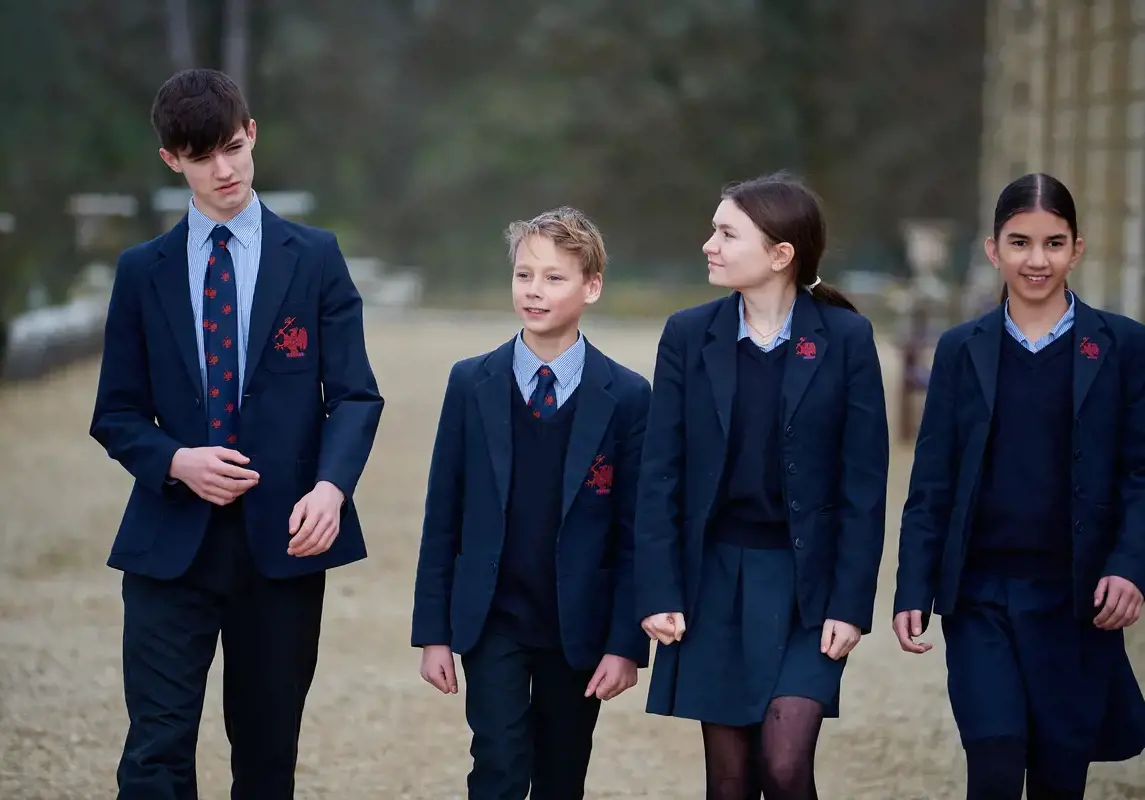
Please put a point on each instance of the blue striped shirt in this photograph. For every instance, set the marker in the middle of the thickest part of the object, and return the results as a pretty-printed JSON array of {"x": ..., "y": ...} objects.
[
  {"x": 567, "y": 368},
  {"x": 245, "y": 248},
  {"x": 784, "y": 334},
  {"x": 1056, "y": 332}
]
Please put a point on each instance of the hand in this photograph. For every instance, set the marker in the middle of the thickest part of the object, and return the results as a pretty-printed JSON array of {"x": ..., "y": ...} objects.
[
  {"x": 839, "y": 639},
  {"x": 212, "y": 474},
  {"x": 316, "y": 520},
  {"x": 1122, "y": 603},
  {"x": 907, "y": 626},
  {"x": 613, "y": 676},
  {"x": 437, "y": 668},
  {"x": 664, "y": 628}
]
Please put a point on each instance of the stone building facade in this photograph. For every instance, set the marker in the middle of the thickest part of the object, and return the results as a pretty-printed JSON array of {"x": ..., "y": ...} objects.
[{"x": 1065, "y": 94}]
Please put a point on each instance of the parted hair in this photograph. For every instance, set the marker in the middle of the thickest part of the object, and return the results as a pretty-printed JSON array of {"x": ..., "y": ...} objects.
[{"x": 570, "y": 230}]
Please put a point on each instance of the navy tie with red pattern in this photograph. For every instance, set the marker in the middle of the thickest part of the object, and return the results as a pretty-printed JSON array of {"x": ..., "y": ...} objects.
[
  {"x": 544, "y": 399},
  {"x": 221, "y": 342}
]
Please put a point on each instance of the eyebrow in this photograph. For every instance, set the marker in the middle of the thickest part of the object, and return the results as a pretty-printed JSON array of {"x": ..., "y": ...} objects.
[
  {"x": 722, "y": 226},
  {"x": 1055, "y": 238}
]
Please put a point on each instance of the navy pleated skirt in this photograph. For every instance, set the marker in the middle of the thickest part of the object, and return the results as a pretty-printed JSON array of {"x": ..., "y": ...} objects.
[
  {"x": 1020, "y": 664},
  {"x": 744, "y": 644}
]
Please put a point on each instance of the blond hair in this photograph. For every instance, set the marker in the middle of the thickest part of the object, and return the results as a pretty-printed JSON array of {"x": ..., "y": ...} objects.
[{"x": 570, "y": 230}]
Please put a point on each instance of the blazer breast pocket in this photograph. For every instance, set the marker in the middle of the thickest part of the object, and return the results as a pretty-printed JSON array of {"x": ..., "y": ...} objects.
[{"x": 293, "y": 345}]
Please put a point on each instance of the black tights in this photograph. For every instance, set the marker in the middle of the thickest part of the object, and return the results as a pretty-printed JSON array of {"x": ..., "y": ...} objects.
[
  {"x": 996, "y": 770},
  {"x": 776, "y": 758}
]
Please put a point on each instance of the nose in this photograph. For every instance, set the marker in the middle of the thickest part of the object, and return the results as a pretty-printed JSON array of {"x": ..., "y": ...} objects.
[
  {"x": 222, "y": 165},
  {"x": 710, "y": 247},
  {"x": 534, "y": 287},
  {"x": 1038, "y": 257}
]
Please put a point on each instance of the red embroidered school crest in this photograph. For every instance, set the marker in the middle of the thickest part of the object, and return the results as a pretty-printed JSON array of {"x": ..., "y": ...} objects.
[
  {"x": 291, "y": 339},
  {"x": 1089, "y": 349},
  {"x": 804, "y": 348},
  {"x": 600, "y": 476}
]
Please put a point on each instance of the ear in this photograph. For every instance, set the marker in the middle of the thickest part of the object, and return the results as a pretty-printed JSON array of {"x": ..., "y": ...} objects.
[
  {"x": 992, "y": 251},
  {"x": 784, "y": 254},
  {"x": 251, "y": 132},
  {"x": 170, "y": 159},
  {"x": 1078, "y": 252},
  {"x": 592, "y": 288}
]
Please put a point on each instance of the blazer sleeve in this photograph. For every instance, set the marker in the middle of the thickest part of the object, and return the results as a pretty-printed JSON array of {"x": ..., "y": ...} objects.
[
  {"x": 625, "y": 637},
  {"x": 930, "y": 494},
  {"x": 1128, "y": 557},
  {"x": 863, "y": 491},
  {"x": 441, "y": 525},
  {"x": 353, "y": 403},
  {"x": 659, "y": 579},
  {"x": 124, "y": 420}
]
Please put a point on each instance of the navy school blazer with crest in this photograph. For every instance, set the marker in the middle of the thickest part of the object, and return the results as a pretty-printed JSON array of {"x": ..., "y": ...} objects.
[
  {"x": 834, "y": 446},
  {"x": 304, "y": 418},
  {"x": 1108, "y": 466},
  {"x": 467, "y": 496}
]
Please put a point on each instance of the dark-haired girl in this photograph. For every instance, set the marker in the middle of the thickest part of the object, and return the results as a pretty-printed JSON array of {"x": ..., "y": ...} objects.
[
  {"x": 1024, "y": 526},
  {"x": 762, "y": 497}
]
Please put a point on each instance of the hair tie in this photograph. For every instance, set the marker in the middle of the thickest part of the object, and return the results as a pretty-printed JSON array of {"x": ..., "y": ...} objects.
[{"x": 814, "y": 283}]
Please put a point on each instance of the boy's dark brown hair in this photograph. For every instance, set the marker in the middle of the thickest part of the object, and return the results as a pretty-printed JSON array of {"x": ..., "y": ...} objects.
[
  {"x": 198, "y": 110},
  {"x": 570, "y": 230}
]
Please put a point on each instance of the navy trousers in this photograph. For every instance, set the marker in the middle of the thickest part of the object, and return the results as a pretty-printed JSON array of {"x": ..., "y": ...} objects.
[
  {"x": 171, "y": 629},
  {"x": 531, "y": 723}
]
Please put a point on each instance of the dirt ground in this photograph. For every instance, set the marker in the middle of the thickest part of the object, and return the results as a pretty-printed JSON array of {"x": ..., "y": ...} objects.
[{"x": 373, "y": 729}]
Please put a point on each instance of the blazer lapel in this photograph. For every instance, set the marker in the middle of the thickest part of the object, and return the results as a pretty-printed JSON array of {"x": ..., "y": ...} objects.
[
  {"x": 173, "y": 284},
  {"x": 719, "y": 356},
  {"x": 593, "y": 412},
  {"x": 1091, "y": 344},
  {"x": 985, "y": 348},
  {"x": 805, "y": 352},
  {"x": 275, "y": 272},
  {"x": 494, "y": 400}
]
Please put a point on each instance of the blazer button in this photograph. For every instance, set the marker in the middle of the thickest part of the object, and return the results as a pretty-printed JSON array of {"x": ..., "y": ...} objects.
[
  {"x": 790, "y": 469},
  {"x": 198, "y": 402},
  {"x": 1076, "y": 455},
  {"x": 795, "y": 505},
  {"x": 492, "y": 566},
  {"x": 798, "y": 543},
  {"x": 1079, "y": 526},
  {"x": 790, "y": 431}
]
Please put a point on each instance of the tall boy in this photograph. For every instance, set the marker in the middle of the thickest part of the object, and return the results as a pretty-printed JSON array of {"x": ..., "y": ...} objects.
[
  {"x": 525, "y": 567},
  {"x": 236, "y": 389}
]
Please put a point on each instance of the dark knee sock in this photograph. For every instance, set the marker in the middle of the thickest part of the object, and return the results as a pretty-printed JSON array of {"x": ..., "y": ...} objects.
[
  {"x": 728, "y": 762},
  {"x": 995, "y": 769}
]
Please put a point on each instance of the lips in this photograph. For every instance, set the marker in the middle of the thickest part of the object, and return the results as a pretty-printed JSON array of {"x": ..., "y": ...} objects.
[
  {"x": 1036, "y": 279},
  {"x": 534, "y": 310}
]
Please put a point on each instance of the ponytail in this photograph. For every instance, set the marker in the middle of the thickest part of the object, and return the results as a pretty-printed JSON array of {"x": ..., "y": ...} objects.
[{"x": 826, "y": 293}]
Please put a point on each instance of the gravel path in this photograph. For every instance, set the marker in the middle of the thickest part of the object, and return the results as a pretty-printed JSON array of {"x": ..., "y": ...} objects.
[{"x": 373, "y": 729}]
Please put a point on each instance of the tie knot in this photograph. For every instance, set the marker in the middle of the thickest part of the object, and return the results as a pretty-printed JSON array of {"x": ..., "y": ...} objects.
[
  {"x": 221, "y": 235},
  {"x": 545, "y": 374}
]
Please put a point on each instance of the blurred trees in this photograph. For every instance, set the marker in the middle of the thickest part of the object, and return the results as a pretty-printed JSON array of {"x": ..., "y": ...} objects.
[{"x": 424, "y": 126}]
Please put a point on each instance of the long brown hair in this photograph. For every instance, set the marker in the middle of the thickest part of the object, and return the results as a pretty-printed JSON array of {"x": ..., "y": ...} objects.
[{"x": 785, "y": 210}]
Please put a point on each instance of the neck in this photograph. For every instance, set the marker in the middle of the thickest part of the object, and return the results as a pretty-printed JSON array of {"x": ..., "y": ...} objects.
[
  {"x": 1035, "y": 320},
  {"x": 765, "y": 308},
  {"x": 548, "y": 346}
]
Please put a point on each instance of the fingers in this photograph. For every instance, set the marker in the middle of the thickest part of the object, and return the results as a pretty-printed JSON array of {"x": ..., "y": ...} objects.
[
  {"x": 842, "y": 644},
  {"x": 659, "y": 627},
  {"x": 597, "y": 679},
  {"x": 323, "y": 529},
  {"x": 450, "y": 673},
  {"x": 1117, "y": 609},
  {"x": 230, "y": 471},
  {"x": 916, "y": 623},
  {"x": 903, "y": 626},
  {"x": 678, "y": 625},
  {"x": 436, "y": 676},
  {"x": 828, "y": 635},
  {"x": 1099, "y": 594},
  {"x": 224, "y": 493},
  {"x": 226, "y": 454}
]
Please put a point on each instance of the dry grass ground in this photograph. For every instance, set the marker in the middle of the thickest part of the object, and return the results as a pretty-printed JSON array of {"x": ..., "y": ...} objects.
[{"x": 373, "y": 729}]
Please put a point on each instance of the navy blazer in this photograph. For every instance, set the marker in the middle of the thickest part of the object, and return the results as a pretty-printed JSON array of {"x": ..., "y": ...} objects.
[
  {"x": 834, "y": 446},
  {"x": 304, "y": 419},
  {"x": 1108, "y": 460},
  {"x": 468, "y": 493}
]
